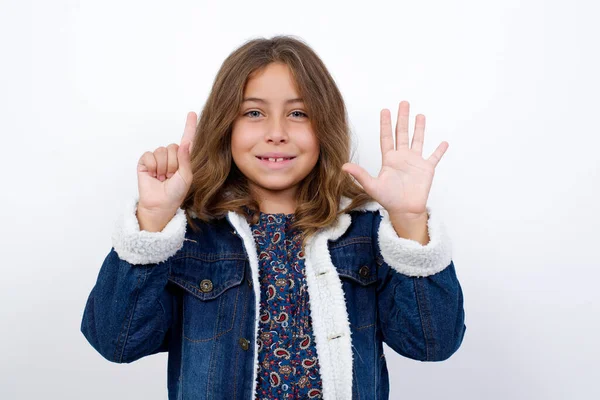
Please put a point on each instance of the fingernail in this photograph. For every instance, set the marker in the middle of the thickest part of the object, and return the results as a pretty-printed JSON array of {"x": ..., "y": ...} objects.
[{"x": 162, "y": 177}]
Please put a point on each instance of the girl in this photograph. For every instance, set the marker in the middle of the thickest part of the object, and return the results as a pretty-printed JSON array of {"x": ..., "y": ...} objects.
[{"x": 290, "y": 275}]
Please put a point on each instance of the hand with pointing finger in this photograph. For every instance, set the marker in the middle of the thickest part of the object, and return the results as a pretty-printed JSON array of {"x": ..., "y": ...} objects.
[
  {"x": 165, "y": 176},
  {"x": 403, "y": 184}
]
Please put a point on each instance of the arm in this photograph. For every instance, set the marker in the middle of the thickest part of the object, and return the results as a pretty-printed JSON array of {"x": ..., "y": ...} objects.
[
  {"x": 129, "y": 310},
  {"x": 420, "y": 301}
]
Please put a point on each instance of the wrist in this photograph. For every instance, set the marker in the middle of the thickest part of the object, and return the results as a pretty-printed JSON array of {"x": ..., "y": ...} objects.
[
  {"x": 154, "y": 220},
  {"x": 411, "y": 226}
]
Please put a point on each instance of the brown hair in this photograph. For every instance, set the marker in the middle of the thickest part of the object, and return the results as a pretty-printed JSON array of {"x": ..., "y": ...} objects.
[{"x": 218, "y": 186}]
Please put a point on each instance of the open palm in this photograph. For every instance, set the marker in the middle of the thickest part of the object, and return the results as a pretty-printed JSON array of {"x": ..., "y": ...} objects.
[{"x": 403, "y": 184}]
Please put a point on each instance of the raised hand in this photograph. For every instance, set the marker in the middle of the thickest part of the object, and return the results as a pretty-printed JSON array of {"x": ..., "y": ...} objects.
[
  {"x": 165, "y": 175},
  {"x": 403, "y": 184}
]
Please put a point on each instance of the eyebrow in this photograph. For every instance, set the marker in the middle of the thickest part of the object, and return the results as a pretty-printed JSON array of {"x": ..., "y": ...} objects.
[{"x": 256, "y": 99}]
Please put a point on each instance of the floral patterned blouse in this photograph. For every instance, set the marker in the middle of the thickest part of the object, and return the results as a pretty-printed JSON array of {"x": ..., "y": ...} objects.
[{"x": 288, "y": 367}]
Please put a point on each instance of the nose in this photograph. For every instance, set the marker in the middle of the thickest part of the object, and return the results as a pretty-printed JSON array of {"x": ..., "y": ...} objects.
[{"x": 276, "y": 131}]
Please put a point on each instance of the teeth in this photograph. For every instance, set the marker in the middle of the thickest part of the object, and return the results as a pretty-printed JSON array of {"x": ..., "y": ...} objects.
[{"x": 275, "y": 159}]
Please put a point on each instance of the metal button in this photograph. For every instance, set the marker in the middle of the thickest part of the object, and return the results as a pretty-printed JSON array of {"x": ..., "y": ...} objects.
[
  {"x": 206, "y": 285},
  {"x": 249, "y": 282},
  {"x": 244, "y": 343},
  {"x": 364, "y": 271}
]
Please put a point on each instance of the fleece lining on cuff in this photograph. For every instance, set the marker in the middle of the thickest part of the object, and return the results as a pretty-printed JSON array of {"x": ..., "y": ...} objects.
[
  {"x": 410, "y": 257},
  {"x": 143, "y": 247}
]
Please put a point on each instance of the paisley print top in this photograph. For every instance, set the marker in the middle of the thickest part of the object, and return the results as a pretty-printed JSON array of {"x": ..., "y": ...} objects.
[{"x": 288, "y": 367}]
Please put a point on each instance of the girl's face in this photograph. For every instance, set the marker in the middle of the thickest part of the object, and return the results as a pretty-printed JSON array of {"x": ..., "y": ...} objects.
[{"x": 274, "y": 120}]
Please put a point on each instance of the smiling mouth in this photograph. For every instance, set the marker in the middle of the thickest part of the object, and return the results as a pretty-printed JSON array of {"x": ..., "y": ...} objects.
[
  {"x": 276, "y": 163},
  {"x": 275, "y": 160}
]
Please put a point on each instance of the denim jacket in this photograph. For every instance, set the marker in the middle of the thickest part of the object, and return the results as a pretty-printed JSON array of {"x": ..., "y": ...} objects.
[{"x": 196, "y": 296}]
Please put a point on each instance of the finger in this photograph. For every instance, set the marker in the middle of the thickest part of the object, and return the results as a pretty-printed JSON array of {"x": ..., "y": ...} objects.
[
  {"x": 435, "y": 158},
  {"x": 419, "y": 135},
  {"x": 189, "y": 132},
  {"x": 147, "y": 163},
  {"x": 172, "y": 163},
  {"x": 402, "y": 125},
  {"x": 361, "y": 175},
  {"x": 386, "y": 136},
  {"x": 183, "y": 158},
  {"x": 161, "y": 162}
]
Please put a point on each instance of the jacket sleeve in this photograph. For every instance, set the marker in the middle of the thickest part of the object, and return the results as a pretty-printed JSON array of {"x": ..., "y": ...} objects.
[
  {"x": 129, "y": 310},
  {"x": 420, "y": 301}
]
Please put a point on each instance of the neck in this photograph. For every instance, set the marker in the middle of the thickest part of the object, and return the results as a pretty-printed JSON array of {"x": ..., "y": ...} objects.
[{"x": 276, "y": 201}]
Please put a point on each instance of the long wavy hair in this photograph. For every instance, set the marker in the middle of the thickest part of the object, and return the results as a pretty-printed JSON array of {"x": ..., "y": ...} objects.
[{"x": 218, "y": 186}]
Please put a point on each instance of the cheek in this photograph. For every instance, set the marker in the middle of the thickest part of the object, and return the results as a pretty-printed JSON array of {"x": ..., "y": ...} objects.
[
  {"x": 234, "y": 148},
  {"x": 240, "y": 143},
  {"x": 309, "y": 143},
  {"x": 244, "y": 137}
]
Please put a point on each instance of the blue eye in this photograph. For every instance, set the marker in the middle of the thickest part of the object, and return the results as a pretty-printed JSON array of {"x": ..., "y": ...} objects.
[
  {"x": 253, "y": 111},
  {"x": 303, "y": 114}
]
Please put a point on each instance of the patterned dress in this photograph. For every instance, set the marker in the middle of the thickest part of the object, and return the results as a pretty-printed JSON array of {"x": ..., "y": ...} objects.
[{"x": 288, "y": 367}]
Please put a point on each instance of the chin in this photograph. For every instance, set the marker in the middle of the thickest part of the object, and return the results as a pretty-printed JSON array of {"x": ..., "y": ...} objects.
[
  {"x": 275, "y": 187},
  {"x": 271, "y": 183}
]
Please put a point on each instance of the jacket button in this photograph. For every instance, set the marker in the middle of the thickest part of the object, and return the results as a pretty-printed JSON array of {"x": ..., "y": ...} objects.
[
  {"x": 249, "y": 282},
  {"x": 244, "y": 343},
  {"x": 206, "y": 285},
  {"x": 364, "y": 271}
]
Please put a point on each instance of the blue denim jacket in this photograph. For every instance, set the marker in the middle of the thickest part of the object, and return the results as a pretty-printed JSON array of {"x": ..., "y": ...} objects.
[{"x": 196, "y": 296}]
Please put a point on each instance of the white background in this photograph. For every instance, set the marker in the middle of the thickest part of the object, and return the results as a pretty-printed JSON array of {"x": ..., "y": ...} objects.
[{"x": 87, "y": 86}]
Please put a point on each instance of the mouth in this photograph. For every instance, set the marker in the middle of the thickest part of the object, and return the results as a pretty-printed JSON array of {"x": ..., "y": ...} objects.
[
  {"x": 271, "y": 159},
  {"x": 276, "y": 162}
]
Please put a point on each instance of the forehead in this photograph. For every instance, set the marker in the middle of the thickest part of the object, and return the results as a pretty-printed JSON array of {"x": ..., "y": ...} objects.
[{"x": 273, "y": 83}]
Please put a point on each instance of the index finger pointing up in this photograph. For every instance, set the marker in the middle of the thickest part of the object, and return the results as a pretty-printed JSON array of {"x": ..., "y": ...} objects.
[{"x": 190, "y": 129}]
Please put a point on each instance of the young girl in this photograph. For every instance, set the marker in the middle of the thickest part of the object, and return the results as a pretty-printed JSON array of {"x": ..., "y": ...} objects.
[{"x": 256, "y": 261}]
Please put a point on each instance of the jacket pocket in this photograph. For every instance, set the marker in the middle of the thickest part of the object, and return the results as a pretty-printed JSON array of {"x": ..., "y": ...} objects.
[
  {"x": 358, "y": 272},
  {"x": 211, "y": 292}
]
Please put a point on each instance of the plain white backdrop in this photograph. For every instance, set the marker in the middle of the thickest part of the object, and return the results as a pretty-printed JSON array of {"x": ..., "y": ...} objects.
[{"x": 87, "y": 86}]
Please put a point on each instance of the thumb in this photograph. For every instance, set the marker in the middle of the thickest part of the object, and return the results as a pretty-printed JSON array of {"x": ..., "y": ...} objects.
[{"x": 360, "y": 174}]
